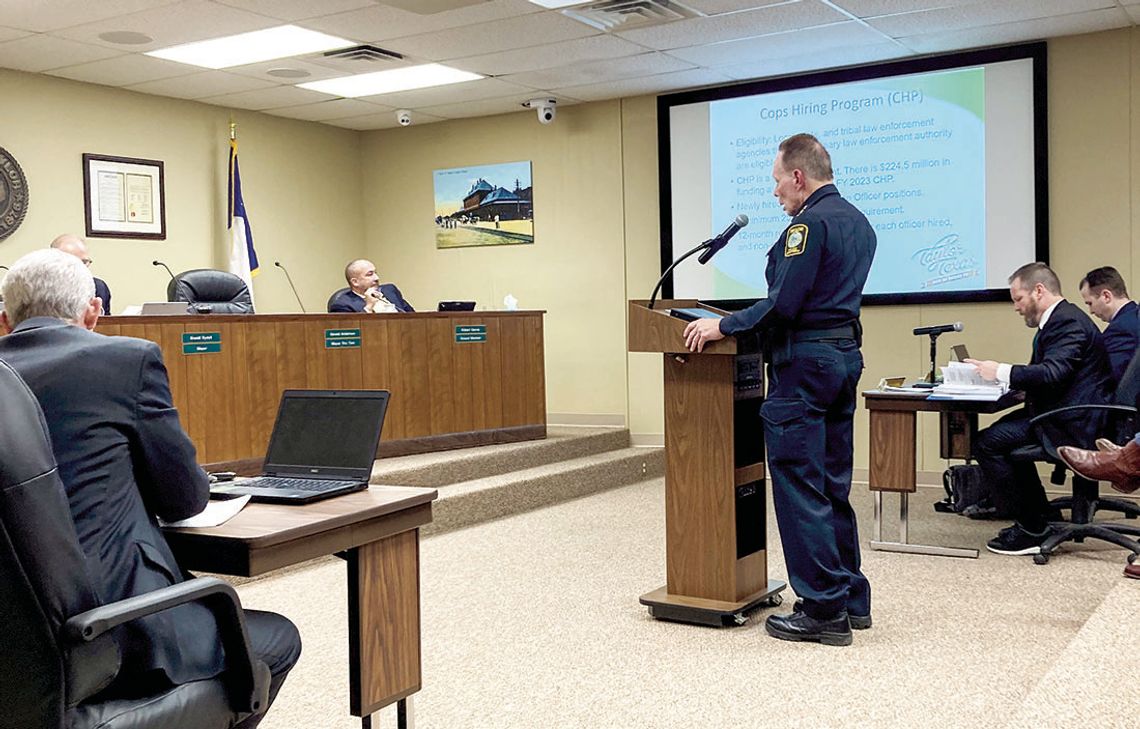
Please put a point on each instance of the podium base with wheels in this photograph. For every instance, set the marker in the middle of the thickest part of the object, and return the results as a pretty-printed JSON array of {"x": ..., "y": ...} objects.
[{"x": 717, "y": 613}]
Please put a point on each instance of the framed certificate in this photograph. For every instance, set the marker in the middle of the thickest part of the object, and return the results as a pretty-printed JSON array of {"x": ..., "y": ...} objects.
[{"x": 123, "y": 197}]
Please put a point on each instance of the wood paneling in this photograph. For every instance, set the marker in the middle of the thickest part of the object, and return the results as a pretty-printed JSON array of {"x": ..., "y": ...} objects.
[
  {"x": 892, "y": 451},
  {"x": 227, "y": 400}
]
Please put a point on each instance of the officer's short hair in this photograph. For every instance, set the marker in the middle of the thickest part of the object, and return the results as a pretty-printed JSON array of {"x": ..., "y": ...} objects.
[
  {"x": 1032, "y": 274},
  {"x": 805, "y": 152},
  {"x": 1105, "y": 277}
]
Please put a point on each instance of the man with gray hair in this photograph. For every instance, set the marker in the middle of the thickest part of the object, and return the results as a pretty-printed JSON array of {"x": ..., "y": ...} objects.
[
  {"x": 76, "y": 246},
  {"x": 124, "y": 460},
  {"x": 1068, "y": 366}
]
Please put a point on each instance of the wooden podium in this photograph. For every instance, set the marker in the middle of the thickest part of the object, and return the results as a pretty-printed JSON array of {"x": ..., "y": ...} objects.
[{"x": 715, "y": 496}]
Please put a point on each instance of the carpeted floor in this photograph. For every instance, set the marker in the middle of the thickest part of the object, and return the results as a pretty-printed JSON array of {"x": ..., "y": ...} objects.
[{"x": 533, "y": 621}]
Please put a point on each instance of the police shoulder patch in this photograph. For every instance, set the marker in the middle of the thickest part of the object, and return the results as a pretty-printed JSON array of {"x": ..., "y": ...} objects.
[{"x": 795, "y": 240}]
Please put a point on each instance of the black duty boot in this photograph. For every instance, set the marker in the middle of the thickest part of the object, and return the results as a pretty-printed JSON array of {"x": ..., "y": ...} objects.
[{"x": 800, "y": 626}]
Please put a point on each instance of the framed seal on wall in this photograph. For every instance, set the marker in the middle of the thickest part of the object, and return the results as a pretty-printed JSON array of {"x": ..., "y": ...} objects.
[{"x": 13, "y": 194}]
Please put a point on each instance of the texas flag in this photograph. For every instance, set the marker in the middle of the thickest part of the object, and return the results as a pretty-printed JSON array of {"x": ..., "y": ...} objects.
[{"x": 243, "y": 259}]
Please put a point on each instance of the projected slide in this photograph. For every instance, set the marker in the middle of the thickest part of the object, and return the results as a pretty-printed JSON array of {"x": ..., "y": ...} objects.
[
  {"x": 940, "y": 153},
  {"x": 902, "y": 149}
]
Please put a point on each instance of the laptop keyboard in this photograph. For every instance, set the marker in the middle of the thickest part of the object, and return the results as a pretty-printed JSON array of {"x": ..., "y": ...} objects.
[{"x": 297, "y": 484}]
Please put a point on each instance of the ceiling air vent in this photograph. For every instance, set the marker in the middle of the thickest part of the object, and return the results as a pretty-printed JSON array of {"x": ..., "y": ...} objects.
[
  {"x": 363, "y": 54},
  {"x": 609, "y": 15}
]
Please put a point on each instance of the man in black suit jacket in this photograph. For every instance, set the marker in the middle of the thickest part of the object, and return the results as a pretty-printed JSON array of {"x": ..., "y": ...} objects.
[
  {"x": 75, "y": 245},
  {"x": 124, "y": 459},
  {"x": 1106, "y": 296},
  {"x": 365, "y": 292},
  {"x": 1068, "y": 367}
]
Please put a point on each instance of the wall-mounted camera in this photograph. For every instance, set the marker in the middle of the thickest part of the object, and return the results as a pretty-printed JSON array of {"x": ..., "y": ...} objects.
[
  {"x": 543, "y": 107},
  {"x": 404, "y": 117}
]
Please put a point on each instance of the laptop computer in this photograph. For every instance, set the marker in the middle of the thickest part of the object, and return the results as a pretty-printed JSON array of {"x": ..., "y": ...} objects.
[
  {"x": 456, "y": 306},
  {"x": 165, "y": 308},
  {"x": 323, "y": 445}
]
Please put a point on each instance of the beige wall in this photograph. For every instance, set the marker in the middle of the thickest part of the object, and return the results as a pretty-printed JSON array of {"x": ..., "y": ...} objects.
[
  {"x": 301, "y": 185},
  {"x": 319, "y": 195},
  {"x": 595, "y": 173}
]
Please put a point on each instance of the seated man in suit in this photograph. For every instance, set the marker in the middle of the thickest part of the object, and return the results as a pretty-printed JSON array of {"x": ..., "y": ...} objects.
[
  {"x": 1107, "y": 298},
  {"x": 74, "y": 245},
  {"x": 366, "y": 293},
  {"x": 1068, "y": 367},
  {"x": 124, "y": 459}
]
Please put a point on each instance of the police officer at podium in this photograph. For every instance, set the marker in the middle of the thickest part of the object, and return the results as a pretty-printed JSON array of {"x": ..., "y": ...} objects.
[{"x": 810, "y": 324}]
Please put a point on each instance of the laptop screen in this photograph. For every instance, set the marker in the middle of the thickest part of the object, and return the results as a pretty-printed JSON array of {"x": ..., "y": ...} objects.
[{"x": 332, "y": 433}]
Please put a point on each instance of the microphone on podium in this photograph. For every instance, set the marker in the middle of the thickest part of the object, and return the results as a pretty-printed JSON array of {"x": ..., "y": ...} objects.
[
  {"x": 722, "y": 240},
  {"x": 177, "y": 284},
  {"x": 934, "y": 331},
  {"x": 940, "y": 329},
  {"x": 290, "y": 278}
]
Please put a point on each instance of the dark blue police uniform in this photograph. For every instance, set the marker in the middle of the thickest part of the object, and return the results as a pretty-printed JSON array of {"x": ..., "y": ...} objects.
[{"x": 816, "y": 272}]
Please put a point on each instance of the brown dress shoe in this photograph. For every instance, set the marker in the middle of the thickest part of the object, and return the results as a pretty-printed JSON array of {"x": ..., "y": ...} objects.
[
  {"x": 1120, "y": 467},
  {"x": 1106, "y": 446},
  {"x": 1132, "y": 570}
]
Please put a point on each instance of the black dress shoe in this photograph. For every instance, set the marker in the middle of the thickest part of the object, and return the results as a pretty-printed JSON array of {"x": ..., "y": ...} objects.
[
  {"x": 858, "y": 622},
  {"x": 800, "y": 626}
]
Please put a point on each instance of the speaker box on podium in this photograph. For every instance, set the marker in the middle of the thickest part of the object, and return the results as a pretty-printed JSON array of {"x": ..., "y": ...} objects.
[{"x": 715, "y": 497}]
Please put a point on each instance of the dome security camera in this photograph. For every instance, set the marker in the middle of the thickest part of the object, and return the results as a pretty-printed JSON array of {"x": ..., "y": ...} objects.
[
  {"x": 404, "y": 117},
  {"x": 544, "y": 108}
]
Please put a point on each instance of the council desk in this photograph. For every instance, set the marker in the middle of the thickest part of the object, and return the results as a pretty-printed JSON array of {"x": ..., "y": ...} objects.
[{"x": 457, "y": 378}]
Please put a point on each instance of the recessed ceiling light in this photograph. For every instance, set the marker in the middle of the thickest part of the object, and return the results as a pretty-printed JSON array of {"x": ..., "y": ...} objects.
[
  {"x": 288, "y": 73},
  {"x": 387, "y": 82},
  {"x": 557, "y": 3},
  {"x": 260, "y": 45},
  {"x": 126, "y": 37}
]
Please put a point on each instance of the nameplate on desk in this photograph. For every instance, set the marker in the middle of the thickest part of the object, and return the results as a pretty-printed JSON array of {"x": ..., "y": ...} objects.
[
  {"x": 342, "y": 339},
  {"x": 471, "y": 333},
  {"x": 201, "y": 342}
]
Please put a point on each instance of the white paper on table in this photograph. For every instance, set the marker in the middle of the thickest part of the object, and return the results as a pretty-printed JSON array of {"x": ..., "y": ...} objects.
[{"x": 215, "y": 514}]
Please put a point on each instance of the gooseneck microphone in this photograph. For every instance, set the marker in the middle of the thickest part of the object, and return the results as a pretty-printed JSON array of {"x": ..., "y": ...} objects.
[
  {"x": 290, "y": 279},
  {"x": 5, "y": 268},
  {"x": 940, "y": 329},
  {"x": 177, "y": 283},
  {"x": 722, "y": 240},
  {"x": 710, "y": 246}
]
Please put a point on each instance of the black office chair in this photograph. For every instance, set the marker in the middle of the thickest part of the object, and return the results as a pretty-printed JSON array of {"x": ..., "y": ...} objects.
[
  {"x": 221, "y": 291},
  {"x": 1086, "y": 500},
  {"x": 335, "y": 294},
  {"x": 57, "y": 646}
]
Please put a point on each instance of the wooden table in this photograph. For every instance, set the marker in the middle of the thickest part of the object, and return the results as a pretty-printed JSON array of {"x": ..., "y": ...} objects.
[
  {"x": 894, "y": 455},
  {"x": 378, "y": 532}
]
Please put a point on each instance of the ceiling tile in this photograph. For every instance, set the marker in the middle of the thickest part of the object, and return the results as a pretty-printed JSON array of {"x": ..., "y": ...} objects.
[
  {"x": 872, "y": 8},
  {"x": 526, "y": 31},
  {"x": 386, "y": 120},
  {"x": 747, "y": 24},
  {"x": 645, "y": 85},
  {"x": 1093, "y": 22},
  {"x": 487, "y": 88},
  {"x": 41, "y": 52},
  {"x": 564, "y": 53},
  {"x": 780, "y": 45},
  {"x": 7, "y": 34},
  {"x": 336, "y": 109},
  {"x": 124, "y": 70},
  {"x": 272, "y": 98},
  {"x": 182, "y": 22},
  {"x": 42, "y": 16},
  {"x": 291, "y": 10},
  {"x": 715, "y": 7},
  {"x": 200, "y": 85},
  {"x": 489, "y": 107},
  {"x": 380, "y": 23},
  {"x": 825, "y": 60},
  {"x": 981, "y": 14},
  {"x": 647, "y": 64}
]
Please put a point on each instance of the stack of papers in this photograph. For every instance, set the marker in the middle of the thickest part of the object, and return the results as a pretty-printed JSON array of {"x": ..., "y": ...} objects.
[
  {"x": 961, "y": 381},
  {"x": 215, "y": 514}
]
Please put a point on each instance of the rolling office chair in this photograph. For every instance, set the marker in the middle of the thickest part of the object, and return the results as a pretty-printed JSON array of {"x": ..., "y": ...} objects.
[
  {"x": 222, "y": 291},
  {"x": 338, "y": 292},
  {"x": 1086, "y": 500},
  {"x": 57, "y": 646}
]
